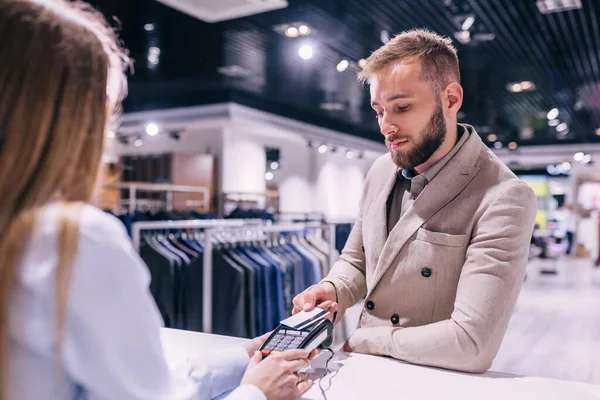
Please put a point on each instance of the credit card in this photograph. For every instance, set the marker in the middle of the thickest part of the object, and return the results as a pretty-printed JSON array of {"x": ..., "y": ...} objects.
[{"x": 305, "y": 318}]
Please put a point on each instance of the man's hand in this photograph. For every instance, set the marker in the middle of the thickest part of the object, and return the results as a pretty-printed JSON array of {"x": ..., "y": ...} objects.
[{"x": 321, "y": 295}]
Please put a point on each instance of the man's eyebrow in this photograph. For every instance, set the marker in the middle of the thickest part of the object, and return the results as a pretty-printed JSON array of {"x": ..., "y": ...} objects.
[{"x": 401, "y": 95}]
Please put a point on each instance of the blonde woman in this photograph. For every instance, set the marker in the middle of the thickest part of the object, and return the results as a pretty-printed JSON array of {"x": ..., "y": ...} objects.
[{"x": 76, "y": 316}]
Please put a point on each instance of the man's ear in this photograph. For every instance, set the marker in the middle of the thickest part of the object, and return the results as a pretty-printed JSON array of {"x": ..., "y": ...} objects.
[{"x": 452, "y": 97}]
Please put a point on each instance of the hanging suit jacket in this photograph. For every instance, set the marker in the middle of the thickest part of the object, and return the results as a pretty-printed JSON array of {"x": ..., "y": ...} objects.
[{"x": 441, "y": 288}]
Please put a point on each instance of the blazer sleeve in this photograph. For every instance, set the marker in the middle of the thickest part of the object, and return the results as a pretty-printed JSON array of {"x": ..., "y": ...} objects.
[
  {"x": 488, "y": 289},
  {"x": 348, "y": 273}
]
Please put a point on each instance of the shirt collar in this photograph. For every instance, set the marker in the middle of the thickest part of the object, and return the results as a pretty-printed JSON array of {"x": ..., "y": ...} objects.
[{"x": 432, "y": 171}]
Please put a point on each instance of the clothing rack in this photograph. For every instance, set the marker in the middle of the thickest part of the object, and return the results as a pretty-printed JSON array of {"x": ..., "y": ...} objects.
[
  {"x": 135, "y": 187},
  {"x": 212, "y": 227}
]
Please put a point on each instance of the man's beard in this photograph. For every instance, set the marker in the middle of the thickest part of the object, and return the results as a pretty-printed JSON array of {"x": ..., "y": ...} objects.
[{"x": 433, "y": 135}]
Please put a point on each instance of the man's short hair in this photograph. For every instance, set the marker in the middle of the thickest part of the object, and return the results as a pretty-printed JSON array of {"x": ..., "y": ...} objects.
[{"x": 437, "y": 55}]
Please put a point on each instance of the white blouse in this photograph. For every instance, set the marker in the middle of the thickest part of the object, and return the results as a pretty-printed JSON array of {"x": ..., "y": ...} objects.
[{"x": 111, "y": 347}]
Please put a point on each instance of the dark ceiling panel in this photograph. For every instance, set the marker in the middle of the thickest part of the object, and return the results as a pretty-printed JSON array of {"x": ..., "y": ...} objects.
[{"x": 558, "y": 52}]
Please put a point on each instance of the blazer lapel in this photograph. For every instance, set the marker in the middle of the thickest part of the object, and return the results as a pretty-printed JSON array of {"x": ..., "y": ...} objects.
[{"x": 449, "y": 182}]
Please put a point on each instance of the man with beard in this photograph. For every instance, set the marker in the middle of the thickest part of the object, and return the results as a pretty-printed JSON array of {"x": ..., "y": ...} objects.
[{"x": 440, "y": 245}]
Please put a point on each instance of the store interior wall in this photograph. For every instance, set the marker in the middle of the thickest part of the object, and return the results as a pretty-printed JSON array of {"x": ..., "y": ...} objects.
[{"x": 307, "y": 181}]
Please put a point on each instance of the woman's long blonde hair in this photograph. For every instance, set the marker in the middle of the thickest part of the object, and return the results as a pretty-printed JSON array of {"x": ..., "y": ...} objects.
[{"x": 61, "y": 80}]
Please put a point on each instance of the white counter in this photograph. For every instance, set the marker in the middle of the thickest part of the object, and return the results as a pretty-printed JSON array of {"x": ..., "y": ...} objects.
[{"x": 358, "y": 376}]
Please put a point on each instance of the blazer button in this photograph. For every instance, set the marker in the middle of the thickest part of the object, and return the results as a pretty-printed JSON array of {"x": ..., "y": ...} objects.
[
  {"x": 395, "y": 319},
  {"x": 426, "y": 272},
  {"x": 370, "y": 305}
]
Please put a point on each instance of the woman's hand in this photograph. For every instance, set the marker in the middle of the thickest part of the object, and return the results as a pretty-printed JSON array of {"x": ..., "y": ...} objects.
[
  {"x": 254, "y": 345},
  {"x": 277, "y": 376}
]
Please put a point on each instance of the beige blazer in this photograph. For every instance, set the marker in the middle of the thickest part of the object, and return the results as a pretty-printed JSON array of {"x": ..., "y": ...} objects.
[{"x": 441, "y": 288}]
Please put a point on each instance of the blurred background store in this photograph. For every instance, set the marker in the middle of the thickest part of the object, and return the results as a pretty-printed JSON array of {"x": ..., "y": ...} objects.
[{"x": 251, "y": 109}]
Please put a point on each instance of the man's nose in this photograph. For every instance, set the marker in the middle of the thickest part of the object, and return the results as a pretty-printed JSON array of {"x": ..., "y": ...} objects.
[{"x": 387, "y": 126}]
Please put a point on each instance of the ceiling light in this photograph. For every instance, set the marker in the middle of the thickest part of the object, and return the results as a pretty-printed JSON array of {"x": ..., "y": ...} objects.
[
  {"x": 149, "y": 27},
  {"x": 323, "y": 148},
  {"x": 562, "y": 127},
  {"x": 552, "y": 170},
  {"x": 492, "y": 138},
  {"x": 516, "y": 88},
  {"x": 484, "y": 37},
  {"x": 342, "y": 65},
  {"x": 566, "y": 166},
  {"x": 498, "y": 145},
  {"x": 463, "y": 36},
  {"x": 269, "y": 176},
  {"x": 333, "y": 106},
  {"x": 304, "y": 29},
  {"x": 292, "y": 31},
  {"x": 552, "y": 114},
  {"x": 274, "y": 165},
  {"x": 513, "y": 145},
  {"x": 578, "y": 156},
  {"x": 362, "y": 63},
  {"x": 553, "y": 122},
  {"x": 152, "y": 129},
  {"x": 138, "y": 142},
  {"x": 586, "y": 159},
  {"x": 153, "y": 55},
  {"x": 234, "y": 71},
  {"x": 527, "y": 133},
  {"x": 527, "y": 85},
  {"x": 349, "y": 154},
  {"x": 384, "y": 37},
  {"x": 110, "y": 134},
  {"x": 305, "y": 52},
  {"x": 552, "y": 6},
  {"x": 468, "y": 23},
  {"x": 578, "y": 105}
]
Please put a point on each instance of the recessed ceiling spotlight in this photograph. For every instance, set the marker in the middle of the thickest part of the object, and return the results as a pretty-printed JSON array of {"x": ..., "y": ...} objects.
[
  {"x": 152, "y": 129},
  {"x": 553, "y": 114},
  {"x": 291, "y": 31},
  {"x": 305, "y": 52},
  {"x": 304, "y": 29},
  {"x": 342, "y": 65}
]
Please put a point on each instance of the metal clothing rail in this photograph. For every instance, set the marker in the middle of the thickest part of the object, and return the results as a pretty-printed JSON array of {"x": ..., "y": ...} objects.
[
  {"x": 137, "y": 227},
  {"x": 134, "y": 187}
]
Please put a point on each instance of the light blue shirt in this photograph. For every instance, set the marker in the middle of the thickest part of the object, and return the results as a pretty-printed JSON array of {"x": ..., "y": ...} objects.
[{"x": 111, "y": 347}]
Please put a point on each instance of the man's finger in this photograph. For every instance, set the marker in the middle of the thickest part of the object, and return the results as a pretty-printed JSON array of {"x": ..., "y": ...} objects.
[
  {"x": 305, "y": 300},
  {"x": 326, "y": 305}
]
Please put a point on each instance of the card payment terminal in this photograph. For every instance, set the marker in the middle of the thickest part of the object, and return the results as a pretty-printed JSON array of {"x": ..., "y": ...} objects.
[{"x": 317, "y": 334}]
